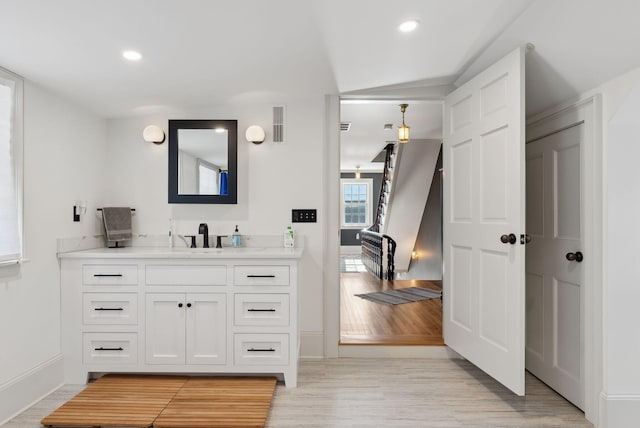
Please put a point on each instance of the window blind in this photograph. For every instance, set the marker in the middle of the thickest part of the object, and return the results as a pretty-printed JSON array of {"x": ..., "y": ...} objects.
[{"x": 10, "y": 168}]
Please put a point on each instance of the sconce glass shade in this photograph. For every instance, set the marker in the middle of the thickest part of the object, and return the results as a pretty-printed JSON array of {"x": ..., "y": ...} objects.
[
  {"x": 357, "y": 175},
  {"x": 153, "y": 134},
  {"x": 255, "y": 134},
  {"x": 403, "y": 133}
]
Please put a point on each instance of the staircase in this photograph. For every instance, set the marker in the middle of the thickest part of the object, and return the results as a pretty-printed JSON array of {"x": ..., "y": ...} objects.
[
  {"x": 406, "y": 181},
  {"x": 385, "y": 189},
  {"x": 407, "y": 178},
  {"x": 378, "y": 250}
]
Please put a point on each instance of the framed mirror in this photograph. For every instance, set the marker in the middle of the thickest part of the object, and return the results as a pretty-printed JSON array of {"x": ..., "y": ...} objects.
[{"x": 203, "y": 161}]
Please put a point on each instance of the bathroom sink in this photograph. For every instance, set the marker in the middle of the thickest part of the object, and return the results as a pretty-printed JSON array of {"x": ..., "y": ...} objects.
[
  {"x": 198, "y": 250},
  {"x": 225, "y": 250}
]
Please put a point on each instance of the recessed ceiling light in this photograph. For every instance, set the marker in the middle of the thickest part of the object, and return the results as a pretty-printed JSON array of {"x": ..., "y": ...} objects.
[
  {"x": 408, "y": 26},
  {"x": 132, "y": 55}
]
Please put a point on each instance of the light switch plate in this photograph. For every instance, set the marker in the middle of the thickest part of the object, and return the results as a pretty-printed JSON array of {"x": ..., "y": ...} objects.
[{"x": 303, "y": 216}]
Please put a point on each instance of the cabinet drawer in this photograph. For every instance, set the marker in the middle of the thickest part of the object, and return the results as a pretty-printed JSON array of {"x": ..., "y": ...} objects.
[
  {"x": 110, "y": 308},
  {"x": 261, "y": 309},
  {"x": 261, "y": 349},
  {"x": 111, "y": 348},
  {"x": 261, "y": 275},
  {"x": 110, "y": 274},
  {"x": 186, "y": 275}
]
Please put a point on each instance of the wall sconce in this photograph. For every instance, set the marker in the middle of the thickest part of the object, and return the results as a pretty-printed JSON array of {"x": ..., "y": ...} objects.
[
  {"x": 414, "y": 255},
  {"x": 357, "y": 172},
  {"x": 255, "y": 134},
  {"x": 79, "y": 208},
  {"x": 153, "y": 134},
  {"x": 403, "y": 130}
]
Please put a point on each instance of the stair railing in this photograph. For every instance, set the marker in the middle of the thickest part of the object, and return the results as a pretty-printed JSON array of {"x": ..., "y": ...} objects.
[
  {"x": 375, "y": 246},
  {"x": 384, "y": 188}
]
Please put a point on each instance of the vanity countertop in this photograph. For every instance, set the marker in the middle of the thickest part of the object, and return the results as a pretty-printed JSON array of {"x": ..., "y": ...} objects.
[{"x": 185, "y": 253}]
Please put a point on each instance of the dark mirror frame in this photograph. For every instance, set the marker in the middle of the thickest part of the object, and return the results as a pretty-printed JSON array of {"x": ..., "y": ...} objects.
[{"x": 232, "y": 150}]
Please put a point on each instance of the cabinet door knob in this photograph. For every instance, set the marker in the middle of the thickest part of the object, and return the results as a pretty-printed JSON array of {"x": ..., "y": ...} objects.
[
  {"x": 188, "y": 305},
  {"x": 180, "y": 305}
]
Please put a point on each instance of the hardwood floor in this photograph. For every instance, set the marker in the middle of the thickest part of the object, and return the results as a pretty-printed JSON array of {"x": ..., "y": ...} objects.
[
  {"x": 363, "y": 322},
  {"x": 391, "y": 393}
]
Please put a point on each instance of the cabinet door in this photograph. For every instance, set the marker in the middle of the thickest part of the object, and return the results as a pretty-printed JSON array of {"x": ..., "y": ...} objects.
[
  {"x": 165, "y": 328},
  {"x": 206, "y": 328}
]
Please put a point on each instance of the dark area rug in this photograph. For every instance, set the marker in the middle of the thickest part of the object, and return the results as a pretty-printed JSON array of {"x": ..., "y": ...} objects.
[{"x": 401, "y": 295}]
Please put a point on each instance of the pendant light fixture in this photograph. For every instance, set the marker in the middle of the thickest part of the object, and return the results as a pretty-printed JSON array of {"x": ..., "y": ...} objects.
[
  {"x": 357, "y": 175},
  {"x": 403, "y": 130}
]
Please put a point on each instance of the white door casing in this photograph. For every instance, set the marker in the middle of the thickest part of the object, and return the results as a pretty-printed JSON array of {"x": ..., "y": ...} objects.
[{"x": 484, "y": 198}]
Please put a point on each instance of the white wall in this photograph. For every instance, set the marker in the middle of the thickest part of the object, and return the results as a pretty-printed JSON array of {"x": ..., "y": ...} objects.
[
  {"x": 621, "y": 286},
  {"x": 272, "y": 180},
  {"x": 64, "y": 153}
]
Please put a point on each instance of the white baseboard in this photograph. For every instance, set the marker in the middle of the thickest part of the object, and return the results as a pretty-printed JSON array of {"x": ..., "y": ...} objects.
[
  {"x": 373, "y": 351},
  {"x": 619, "y": 410},
  {"x": 22, "y": 392},
  {"x": 311, "y": 344}
]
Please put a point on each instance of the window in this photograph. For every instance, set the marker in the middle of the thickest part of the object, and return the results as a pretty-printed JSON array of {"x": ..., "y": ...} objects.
[
  {"x": 207, "y": 178},
  {"x": 10, "y": 167},
  {"x": 355, "y": 202}
]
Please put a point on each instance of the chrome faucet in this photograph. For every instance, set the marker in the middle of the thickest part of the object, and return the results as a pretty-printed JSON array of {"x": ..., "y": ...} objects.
[{"x": 204, "y": 230}]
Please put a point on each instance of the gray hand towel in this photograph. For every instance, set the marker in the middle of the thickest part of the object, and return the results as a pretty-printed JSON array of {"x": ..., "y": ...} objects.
[{"x": 117, "y": 223}]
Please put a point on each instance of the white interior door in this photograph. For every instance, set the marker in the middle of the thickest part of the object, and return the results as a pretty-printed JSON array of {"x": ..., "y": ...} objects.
[
  {"x": 555, "y": 337},
  {"x": 483, "y": 281}
]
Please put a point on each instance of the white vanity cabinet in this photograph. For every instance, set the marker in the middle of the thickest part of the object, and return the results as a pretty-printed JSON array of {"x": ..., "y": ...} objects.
[{"x": 140, "y": 310}]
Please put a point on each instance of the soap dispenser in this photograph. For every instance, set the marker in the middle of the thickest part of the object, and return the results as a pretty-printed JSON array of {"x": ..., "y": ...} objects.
[
  {"x": 236, "y": 239},
  {"x": 288, "y": 237}
]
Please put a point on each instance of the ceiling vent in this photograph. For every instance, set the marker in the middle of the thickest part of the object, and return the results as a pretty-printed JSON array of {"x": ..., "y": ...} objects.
[
  {"x": 345, "y": 126},
  {"x": 278, "y": 124}
]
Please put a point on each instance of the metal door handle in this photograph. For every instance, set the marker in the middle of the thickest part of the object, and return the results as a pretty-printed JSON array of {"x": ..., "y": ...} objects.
[
  {"x": 577, "y": 256},
  {"x": 508, "y": 239}
]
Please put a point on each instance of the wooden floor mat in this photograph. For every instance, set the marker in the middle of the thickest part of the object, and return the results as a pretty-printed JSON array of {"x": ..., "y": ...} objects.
[
  {"x": 168, "y": 402},
  {"x": 219, "y": 402}
]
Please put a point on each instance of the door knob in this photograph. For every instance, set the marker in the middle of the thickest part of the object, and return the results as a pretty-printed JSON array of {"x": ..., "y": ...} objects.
[
  {"x": 577, "y": 256},
  {"x": 508, "y": 239}
]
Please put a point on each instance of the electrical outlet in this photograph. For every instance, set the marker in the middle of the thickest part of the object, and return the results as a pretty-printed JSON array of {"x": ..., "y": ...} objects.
[{"x": 304, "y": 216}]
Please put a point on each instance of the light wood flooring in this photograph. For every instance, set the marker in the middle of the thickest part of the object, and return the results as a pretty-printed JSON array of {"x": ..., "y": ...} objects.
[
  {"x": 391, "y": 393},
  {"x": 363, "y": 322}
]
